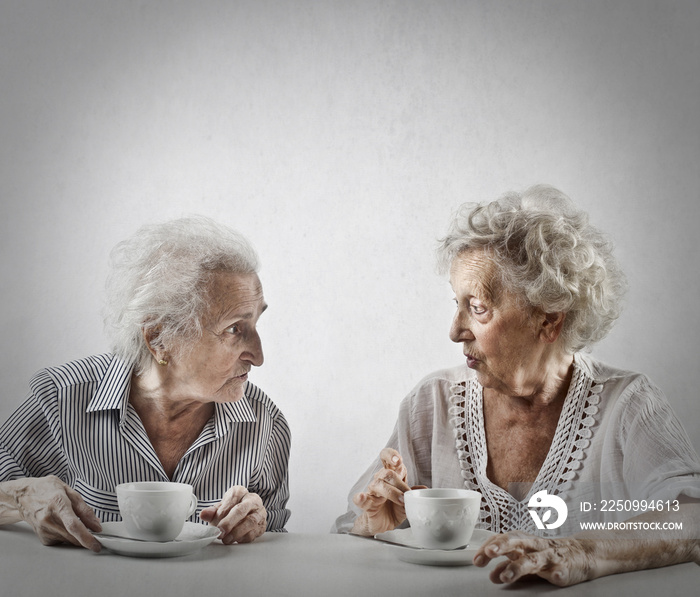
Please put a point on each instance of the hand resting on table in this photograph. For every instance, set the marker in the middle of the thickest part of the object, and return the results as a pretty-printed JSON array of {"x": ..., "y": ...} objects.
[
  {"x": 591, "y": 554},
  {"x": 56, "y": 512},
  {"x": 240, "y": 516}
]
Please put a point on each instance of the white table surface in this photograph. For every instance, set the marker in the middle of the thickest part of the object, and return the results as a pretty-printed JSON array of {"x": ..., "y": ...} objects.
[{"x": 294, "y": 564}]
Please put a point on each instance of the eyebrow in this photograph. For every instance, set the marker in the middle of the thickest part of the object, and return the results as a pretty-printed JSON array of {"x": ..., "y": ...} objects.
[
  {"x": 235, "y": 317},
  {"x": 249, "y": 315},
  {"x": 484, "y": 290}
]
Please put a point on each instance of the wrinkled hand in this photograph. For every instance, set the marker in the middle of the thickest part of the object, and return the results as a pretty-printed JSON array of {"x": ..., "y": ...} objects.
[
  {"x": 56, "y": 512},
  {"x": 562, "y": 562},
  {"x": 240, "y": 516},
  {"x": 382, "y": 501}
]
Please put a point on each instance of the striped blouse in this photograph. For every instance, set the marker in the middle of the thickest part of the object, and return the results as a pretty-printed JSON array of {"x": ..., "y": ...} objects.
[{"x": 78, "y": 424}]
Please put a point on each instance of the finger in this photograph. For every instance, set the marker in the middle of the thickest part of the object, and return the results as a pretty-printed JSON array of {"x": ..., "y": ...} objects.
[
  {"x": 495, "y": 574},
  {"x": 209, "y": 514},
  {"x": 391, "y": 460},
  {"x": 84, "y": 512},
  {"x": 77, "y": 531},
  {"x": 563, "y": 576},
  {"x": 215, "y": 514},
  {"x": 61, "y": 523},
  {"x": 385, "y": 490},
  {"x": 482, "y": 557},
  {"x": 392, "y": 478},
  {"x": 234, "y": 517},
  {"x": 62, "y": 526},
  {"x": 252, "y": 536},
  {"x": 257, "y": 530},
  {"x": 206, "y": 514},
  {"x": 549, "y": 564},
  {"x": 513, "y": 545},
  {"x": 239, "y": 522},
  {"x": 530, "y": 563},
  {"x": 53, "y": 535},
  {"x": 363, "y": 500},
  {"x": 246, "y": 530},
  {"x": 369, "y": 500},
  {"x": 235, "y": 495}
]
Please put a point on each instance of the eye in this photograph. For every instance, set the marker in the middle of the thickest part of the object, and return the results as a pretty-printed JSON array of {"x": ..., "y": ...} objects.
[
  {"x": 478, "y": 309},
  {"x": 233, "y": 329}
]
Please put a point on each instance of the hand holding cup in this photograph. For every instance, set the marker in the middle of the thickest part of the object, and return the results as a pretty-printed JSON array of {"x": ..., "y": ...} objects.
[{"x": 383, "y": 500}]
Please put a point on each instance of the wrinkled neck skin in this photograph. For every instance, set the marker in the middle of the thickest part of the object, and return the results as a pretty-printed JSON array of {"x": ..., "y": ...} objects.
[
  {"x": 172, "y": 425},
  {"x": 153, "y": 392},
  {"x": 542, "y": 386}
]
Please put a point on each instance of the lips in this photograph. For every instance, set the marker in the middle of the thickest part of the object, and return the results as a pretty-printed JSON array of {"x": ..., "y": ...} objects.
[{"x": 471, "y": 361}]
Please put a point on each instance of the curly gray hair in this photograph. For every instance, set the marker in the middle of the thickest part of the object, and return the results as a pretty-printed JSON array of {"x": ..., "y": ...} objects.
[
  {"x": 549, "y": 255},
  {"x": 159, "y": 280}
]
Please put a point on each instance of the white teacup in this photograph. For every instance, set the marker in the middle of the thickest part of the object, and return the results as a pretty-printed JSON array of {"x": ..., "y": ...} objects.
[
  {"x": 442, "y": 518},
  {"x": 155, "y": 511}
]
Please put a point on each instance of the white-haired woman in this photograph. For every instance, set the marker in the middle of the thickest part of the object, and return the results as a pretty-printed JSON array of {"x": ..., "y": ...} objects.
[
  {"x": 172, "y": 402},
  {"x": 535, "y": 284}
]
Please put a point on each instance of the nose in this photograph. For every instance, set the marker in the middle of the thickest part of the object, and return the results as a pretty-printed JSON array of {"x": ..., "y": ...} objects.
[
  {"x": 253, "y": 352},
  {"x": 460, "y": 330}
]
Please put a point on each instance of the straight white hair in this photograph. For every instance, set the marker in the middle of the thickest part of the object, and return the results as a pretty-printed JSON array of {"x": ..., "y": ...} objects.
[{"x": 159, "y": 281}]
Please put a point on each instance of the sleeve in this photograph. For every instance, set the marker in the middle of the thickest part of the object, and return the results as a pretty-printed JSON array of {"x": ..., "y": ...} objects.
[
  {"x": 412, "y": 439},
  {"x": 273, "y": 484},
  {"x": 345, "y": 522},
  {"x": 659, "y": 460},
  {"x": 30, "y": 443}
]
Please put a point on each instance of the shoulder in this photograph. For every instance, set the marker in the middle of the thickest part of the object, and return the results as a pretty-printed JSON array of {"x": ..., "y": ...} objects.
[
  {"x": 262, "y": 404},
  {"x": 451, "y": 375},
  {"x": 74, "y": 373},
  {"x": 436, "y": 388},
  {"x": 616, "y": 381},
  {"x": 625, "y": 394},
  {"x": 443, "y": 379}
]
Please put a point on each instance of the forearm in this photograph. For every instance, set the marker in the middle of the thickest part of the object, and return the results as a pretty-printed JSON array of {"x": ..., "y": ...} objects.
[{"x": 639, "y": 548}]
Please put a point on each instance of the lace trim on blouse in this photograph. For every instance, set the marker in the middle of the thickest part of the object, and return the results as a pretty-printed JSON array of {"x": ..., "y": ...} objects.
[{"x": 501, "y": 512}]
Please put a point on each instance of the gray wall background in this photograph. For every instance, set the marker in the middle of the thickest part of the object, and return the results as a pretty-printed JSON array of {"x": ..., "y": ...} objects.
[{"x": 339, "y": 136}]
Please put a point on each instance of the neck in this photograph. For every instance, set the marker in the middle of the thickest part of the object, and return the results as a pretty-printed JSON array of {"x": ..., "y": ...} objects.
[
  {"x": 153, "y": 398},
  {"x": 547, "y": 386}
]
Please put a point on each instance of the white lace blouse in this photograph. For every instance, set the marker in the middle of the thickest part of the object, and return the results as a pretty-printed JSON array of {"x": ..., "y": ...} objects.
[{"x": 617, "y": 439}]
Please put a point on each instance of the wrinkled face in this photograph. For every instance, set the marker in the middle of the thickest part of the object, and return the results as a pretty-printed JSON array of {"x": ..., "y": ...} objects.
[
  {"x": 500, "y": 339},
  {"x": 216, "y": 368}
]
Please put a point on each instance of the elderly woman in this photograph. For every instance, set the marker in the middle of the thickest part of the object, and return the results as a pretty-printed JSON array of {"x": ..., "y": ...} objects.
[
  {"x": 535, "y": 284},
  {"x": 171, "y": 403}
]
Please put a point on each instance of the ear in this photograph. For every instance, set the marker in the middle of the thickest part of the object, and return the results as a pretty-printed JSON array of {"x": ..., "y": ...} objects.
[
  {"x": 151, "y": 335},
  {"x": 551, "y": 325}
]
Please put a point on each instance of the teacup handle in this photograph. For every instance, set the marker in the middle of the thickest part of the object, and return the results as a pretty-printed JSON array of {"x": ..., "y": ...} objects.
[{"x": 193, "y": 505}]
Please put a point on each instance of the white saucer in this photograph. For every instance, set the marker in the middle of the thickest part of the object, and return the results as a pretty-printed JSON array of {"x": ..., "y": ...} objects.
[
  {"x": 192, "y": 538},
  {"x": 407, "y": 549}
]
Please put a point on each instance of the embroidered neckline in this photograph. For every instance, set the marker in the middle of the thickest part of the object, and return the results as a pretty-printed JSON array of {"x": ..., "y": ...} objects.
[{"x": 500, "y": 511}]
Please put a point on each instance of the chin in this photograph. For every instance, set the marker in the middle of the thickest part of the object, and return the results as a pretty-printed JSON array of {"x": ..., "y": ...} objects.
[
  {"x": 229, "y": 394},
  {"x": 234, "y": 396},
  {"x": 486, "y": 381}
]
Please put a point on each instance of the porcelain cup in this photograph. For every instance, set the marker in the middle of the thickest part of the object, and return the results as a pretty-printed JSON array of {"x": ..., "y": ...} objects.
[
  {"x": 155, "y": 511},
  {"x": 442, "y": 518}
]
